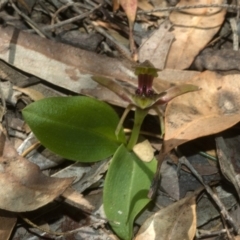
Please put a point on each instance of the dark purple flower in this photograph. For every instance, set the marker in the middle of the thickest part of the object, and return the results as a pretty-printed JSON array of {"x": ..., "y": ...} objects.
[
  {"x": 145, "y": 82},
  {"x": 146, "y": 72},
  {"x": 145, "y": 97}
]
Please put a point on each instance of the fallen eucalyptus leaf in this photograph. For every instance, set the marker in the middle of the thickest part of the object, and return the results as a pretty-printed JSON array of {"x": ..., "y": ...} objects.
[
  {"x": 177, "y": 221},
  {"x": 213, "y": 109},
  {"x": 32, "y": 93},
  {"x": 7, "y": 222},
  {"x": 23, "y": 186},
  {"x": 193, "y": 29},
  {"x": 157, "y": 44},
  {"x": 63, "y": 65}
]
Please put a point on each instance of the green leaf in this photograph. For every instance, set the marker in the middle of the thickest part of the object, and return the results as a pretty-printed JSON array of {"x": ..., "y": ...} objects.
[
  {"x": 125, "y": 190},
  {"x": 77, "y": 128}
]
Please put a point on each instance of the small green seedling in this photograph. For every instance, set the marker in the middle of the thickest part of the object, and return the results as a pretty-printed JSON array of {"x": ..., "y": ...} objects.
[
  {"x": 87, "y": 130},
  {"x": 144, "y": 98}
]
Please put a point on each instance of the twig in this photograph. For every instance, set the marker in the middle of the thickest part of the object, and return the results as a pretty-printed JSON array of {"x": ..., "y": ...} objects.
[
  {"x": 206, "y": 155},
  {"x": 32, "y": 24},
  {"x": 70, "y": 20},
  {"x": 123, "y": 51},
  {"x": 21, "y": 148},
  {"x": 224, "y": 221},
  {"x": 32, "y": 147},
  {"x": 51, "y": 232},
  {"x": 233, "y": 23},
  {"x": 71, "y": 4},
  {"x": 222, "y": 208},
  {"x": 4, "y": 112},
  {"x": 154, "y": 185},
  {"x": 2, "y": 98},
  {"x": 91, "y": 3},
  {"x": 234, "y": 7},
  {"x": 206, "y": 233},
  {"x": 158, "y": 136}
]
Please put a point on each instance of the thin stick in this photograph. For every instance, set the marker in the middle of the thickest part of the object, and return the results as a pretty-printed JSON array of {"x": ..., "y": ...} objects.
[
  {"x": 51, "y": 232},
  {"x": 70, "y": 20},
  {"x": 201, "y": 233},
  {"x": 66, "y": 7},
  {"x": 32, "y": 147},
  {"x": 154, "y": 186},
  {"x": 127, "y": 130},
  {"x": 222, "y": 208},
  {"x": 123, "y": 50},
  {"x": 233, "y": 24},
  {"x": 32, "y": 24}
]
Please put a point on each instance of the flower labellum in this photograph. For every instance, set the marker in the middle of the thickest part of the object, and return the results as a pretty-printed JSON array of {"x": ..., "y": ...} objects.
[{"x": 146, "y": 73}]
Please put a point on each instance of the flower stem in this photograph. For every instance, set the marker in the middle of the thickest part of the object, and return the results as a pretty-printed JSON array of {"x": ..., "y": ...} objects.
[
  {"x": 120, "y": 124},
  {"x": 140, "y": 114}
]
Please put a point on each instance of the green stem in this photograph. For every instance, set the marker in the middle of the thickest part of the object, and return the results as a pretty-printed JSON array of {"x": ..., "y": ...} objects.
[
  {"x": 140, "y": 114},
  {"x": 120, "y": 124}
]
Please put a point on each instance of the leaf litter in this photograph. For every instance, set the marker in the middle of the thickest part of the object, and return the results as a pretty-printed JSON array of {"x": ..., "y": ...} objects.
[{"x": 181, "y": 49}]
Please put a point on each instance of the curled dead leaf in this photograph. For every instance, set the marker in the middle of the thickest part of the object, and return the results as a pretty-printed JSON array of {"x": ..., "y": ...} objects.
[
  {"x": 157, "y": 44},
  {"x": 193, "y": 29},
  {"x": 23, "y": 186},
  {"x": 7, "y": 222},
  {"x": 32, "y": 93},
  {"x": 213, "y": 109},
  {"x": 177, "y": 221}
]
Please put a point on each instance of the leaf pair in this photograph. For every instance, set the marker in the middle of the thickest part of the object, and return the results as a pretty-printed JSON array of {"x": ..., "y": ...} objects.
[{"x": 83, "y": 129}]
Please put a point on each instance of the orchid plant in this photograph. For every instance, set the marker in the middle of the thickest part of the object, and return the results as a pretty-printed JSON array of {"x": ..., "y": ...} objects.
[
  {"x": 144, "y": 97},
  {"x": 84, "y": 129}
]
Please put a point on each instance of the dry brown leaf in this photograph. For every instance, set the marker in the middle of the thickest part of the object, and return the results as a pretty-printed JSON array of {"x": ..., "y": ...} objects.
[
  {"x": 76, "y": 199},
  {"x": 32, "y": 93},
  {"x": 63, "y": 65},
  {"x": 130, "y": 8},
  {"x": 72, "y": 68},
  {"x": 146, "y": 6},
  {"x": 155, "y": 48},
  {"x": 177, "y": 221},
  {"x": 168, "y": 77},
  {"x": 193, "y": 29},
  {"x": 23, "y": 186},
  {"x": 213, "y": 109},
  {"x": 7, "y": 223}
]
